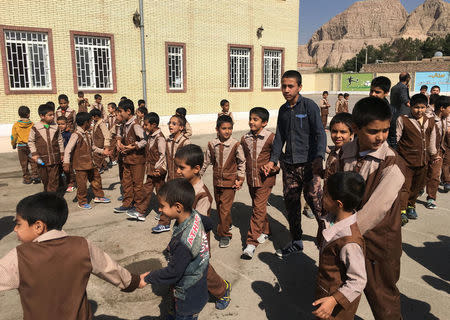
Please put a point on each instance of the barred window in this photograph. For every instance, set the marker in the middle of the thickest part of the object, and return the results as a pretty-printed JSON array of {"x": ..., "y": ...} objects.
[
  {"x": 27, "y": 60},
  {"x": 93, "y": 62},
  {"x": 239, "y": 68},
  {"x": 272, "y": 69},
  {"x": 175, "y": 67}
]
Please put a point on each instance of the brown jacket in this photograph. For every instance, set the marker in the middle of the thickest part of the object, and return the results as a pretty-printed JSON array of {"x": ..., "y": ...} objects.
[
  {"x": 132, "y": 133},
  {"x": 155, "y": 153},
  {"x": 52, "y": 272},
  {"x": 203, "y": 199},
  {"x": 46, "y": 143},
  {"x": 172, "y": 145},
  {"x": 79, "y": 150},
  {"x": 100, "y": 135},
  {"x": 324, "y": 105},
  {"x": 70, "y": 114}
]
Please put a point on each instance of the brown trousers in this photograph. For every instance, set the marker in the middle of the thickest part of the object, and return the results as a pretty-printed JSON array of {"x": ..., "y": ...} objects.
[
  {"x": 24, "y": 160},
  {"x": 258, "y": 222},
  {"x": 151, "y": 183},
  {"x": 381, "y": 290},
  {"x": 414, "y": 183},
  {"x": 82, "y": 177},
  {"x": 70, "y": 177},
  {"x": 224, "y": 200},
  {"x": 216, "y": 285},
  {"x": 50, "y": 177},
  {"x": 100, "y": 161},
  {"x": 446, "y": 168},
  {"x": 324, "y": 116},
  {"x": 433, "y": 177},
  {"x": 133, "y": 184}
]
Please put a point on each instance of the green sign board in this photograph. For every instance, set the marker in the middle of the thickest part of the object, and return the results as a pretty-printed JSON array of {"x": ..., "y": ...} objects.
[{"x": 356, "y": 81}]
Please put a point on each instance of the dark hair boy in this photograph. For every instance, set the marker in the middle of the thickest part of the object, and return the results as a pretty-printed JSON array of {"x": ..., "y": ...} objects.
[{"x": 66, "y": 111}]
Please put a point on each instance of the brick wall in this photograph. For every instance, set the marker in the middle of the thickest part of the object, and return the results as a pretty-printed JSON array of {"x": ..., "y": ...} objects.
[{"x": 409, "y": 66}]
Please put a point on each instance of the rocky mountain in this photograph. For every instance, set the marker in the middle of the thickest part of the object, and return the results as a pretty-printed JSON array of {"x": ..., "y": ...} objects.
[{"x": 373, "y": 22}]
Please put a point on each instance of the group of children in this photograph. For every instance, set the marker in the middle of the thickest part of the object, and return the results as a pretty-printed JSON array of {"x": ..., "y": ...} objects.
[{"x": 342, "y": 104}]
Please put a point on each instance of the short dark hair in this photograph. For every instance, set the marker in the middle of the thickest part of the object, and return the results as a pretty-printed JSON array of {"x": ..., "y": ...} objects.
[
  {"x": 123, "y": 98},
  {"x": 96, "y": 96},
  {"x": 424, "y": 86},
  {"x": 404, "y": 76},
  {"x": 47, "y": 207},
  {"x": 63, "y": 97},
  {"x": 181, "y": 111},
  {"x": 293, "y": 74},
  {"x": 435, "y": 87},
  {"x": 192, "y": 154},
  {"x": 342, "y": 117},
  {"x": 44, "y": 109},
  {"x": 419, "y": 99},
  {"x": 152, "y": 117},
  {"x": 347, "y": 187},
  {"x": 82, "y": 117},
  {"x": 384, "y": 83},
  {"x": 142, "y": 110},
  {"x": 126, "y": 105},
  {"x": 260, "y": 112},
  {"x": 442, "y": 102},
  {"x": 82, "y": 101},
  {"x": 178, "y": 190},
  {"x": 24, "y": 112},
  {"x": 370, "y": 109},
  {"x": 62, "y": 118},
  {"x": 140, "y": 101},
  {"x": 180, "y": 118},
  {"x": 51, "y": 104},
  {"x": 433, "y": 98},
  {"x": 346, "y": 95},
  {"x": 80, "y": 94},
  {"x": 95, "y": 113},
  {"x": 113, "y": 105},
  {"x": 223, "y": 101},
  {"x": 340, "y": 95},
  {"x": 325, "y": 92},
  {"x": 223, "y": 119}
]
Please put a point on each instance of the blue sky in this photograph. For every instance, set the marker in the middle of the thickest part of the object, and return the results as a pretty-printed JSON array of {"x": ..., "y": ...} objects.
[{"x": 314, "y": 13}]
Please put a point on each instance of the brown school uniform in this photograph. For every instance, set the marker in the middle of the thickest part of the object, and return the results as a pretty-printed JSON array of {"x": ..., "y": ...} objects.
[
  {"x": 379, "y": 222},
  {"x": 340, "y": 106},
  {"x": 102, "y": 139},
  {"x": 416, "y": 142},
  {"x": 172, "y": 146},
  {"x": 155, "y": 156},
  {"x": 435, "y": 167},
  {"x": 228, "y": 166},
  {"x": 111, "y": 125},
  {"x": 80, "y": 152},
  {"x": 324, "y": 106},
  {"x": 52, "y": 272},
  {"x": 330, "y": 164},
  {"x": 187, "y": 130},
  {"x": 133, "y": 163},
  {"x": 100, "y": 107},
  {"x": 47, "y": 143},
  {"x": 70, "y": 114},
  {"x": 342, "y": 271},
  {"x": 257, "y": 150}
]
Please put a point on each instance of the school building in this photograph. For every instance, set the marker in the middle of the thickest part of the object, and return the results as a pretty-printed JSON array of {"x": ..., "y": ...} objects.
[{"x": 196, "y": 53}]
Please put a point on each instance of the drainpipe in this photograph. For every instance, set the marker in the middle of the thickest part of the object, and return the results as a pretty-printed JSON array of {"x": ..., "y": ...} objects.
[{"x": 143, "y": 69}]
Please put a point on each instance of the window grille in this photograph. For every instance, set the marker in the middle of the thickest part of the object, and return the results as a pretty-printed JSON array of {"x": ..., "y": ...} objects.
[
  {"x": 239, "y": 68},
  {"x": 175, "y": 67},
  {"x": 28, "y": 60},
  {"x": 272, "y": 69},
  {"x": 93, "y": 62}
]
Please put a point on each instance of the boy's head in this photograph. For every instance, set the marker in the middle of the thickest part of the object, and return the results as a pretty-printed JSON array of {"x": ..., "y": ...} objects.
[
  {"x": 291, "y": 84},
  {"x": 24, "y": 112},
  {"x": 62, "y": 123},
  {"x": 151, "y": 122},
  {"x": 225, "y": 104},
  {"x": 80, "y": 94},
  {"x": 176, "y": 124},
  {"x": 181, "y": 111},
  {"x": 83, "y": 120},
  {"x": 141, "y": 103},
  {"x": 423, "y": 89},
  {"x": 141, "y": 112},
  {"x": 404, "y": 77},
  {"x": 371, "y": 117},
  {"x": 433, "y": 99},
  {"x": 418, "y": 104},
  {"x": 325, "y": 94},
  {"x": 123, "y": 98},
  {"x": 51, "y": 105},
  {"x": 98, "y": 98},
  {"x": 63, "y": 101},
  {"x": 346, "y": 96},
  {"x": 224, "y": 127},
  {"x": 345, "y": 191},
  {"x": 176, "y": 198},
  {"x": 112, "y": 107},
  {"x": 96, "y": 114},
  {"x": 258, "y": 119},
  {"x": 380, "y": 87},
  {"x": 82, "y": 103},
  {"x": 126, "y": 109},
  {"x": 341, "y": 130},
  {"x": 340, "y": 96},
  {"x": 442, "y": 106},
  {"x": 39, "y": 213},
  {"x": 46, "y": 113},
  {"x": 435, "y": 90},
  {"x": 189, "y": 161}
]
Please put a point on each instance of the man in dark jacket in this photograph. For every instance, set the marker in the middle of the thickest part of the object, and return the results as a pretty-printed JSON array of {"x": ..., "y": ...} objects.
[{"x": 400, "y": 104}]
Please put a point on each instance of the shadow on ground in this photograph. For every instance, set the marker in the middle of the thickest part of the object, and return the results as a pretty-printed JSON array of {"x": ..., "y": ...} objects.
[
  {"x": 6, "y": 226},
  {"x": 413, "y": 309}
]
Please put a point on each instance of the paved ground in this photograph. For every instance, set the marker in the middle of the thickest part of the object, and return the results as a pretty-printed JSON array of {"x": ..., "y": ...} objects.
[{"x": 264, "y": 288}]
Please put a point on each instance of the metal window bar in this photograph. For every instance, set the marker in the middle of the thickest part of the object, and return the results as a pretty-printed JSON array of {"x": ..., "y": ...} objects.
[
  {"x": 240, "y": 68},
  {"x": 27, "y": 60},
  {"x": 93, "y": 62},
  {"x": 175, "y": 64},
  {"x": 272, "y": 69}
]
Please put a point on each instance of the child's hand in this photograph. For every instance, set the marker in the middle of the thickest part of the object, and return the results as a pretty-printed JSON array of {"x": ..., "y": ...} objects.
[
  {"x": 268, "y": 167},
  {"x": 106, "y": 152},
  {"x": 142, "y": 283},
  {"x": 436, "y": 159},
  {"x": 62, "y": 158},
  {"x": 66, "y": 167},
  {"x": 238, "y": 184},
  {"x": 14, "y": 147},
  {"x": 156, "y": 173},
  {"x": 130, "y": 147},
  {"x": 35, "y": 158},
  {"x": 327, "y": 305}
]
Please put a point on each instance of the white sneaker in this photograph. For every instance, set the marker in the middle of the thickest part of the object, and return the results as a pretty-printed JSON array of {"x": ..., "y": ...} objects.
[
  {"x": 249, "y": 251},
  {"x": 262, "y": 238}
]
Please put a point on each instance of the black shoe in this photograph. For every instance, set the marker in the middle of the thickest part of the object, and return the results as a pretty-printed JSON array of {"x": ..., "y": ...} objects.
[
  {"x": 411, "y": 213},
  {"x": 36, "y": 180},
  {"x": 26, "y": 181},
  {"x": 404, "y": 219},
  {"x": 224, "y": 242}
]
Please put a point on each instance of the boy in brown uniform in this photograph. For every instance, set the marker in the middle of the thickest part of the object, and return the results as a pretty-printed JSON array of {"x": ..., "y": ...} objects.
[
  {"x": 324, "y": 106},
  {"x": 227, "y": 157},
  {"x": 101, "y": 138},
  {"x": 416, "y": 144},
  {"x": 51, "y": 269},
  {"x": 257, "y": 146},
  {"x": 47, "y": 148},
  {"x": 155, "y": 162},
  {"x": 378, "y": 217},
  {"x": 340, "y": 104},
  {"x": 66, "y": 111},
  {"x": 98, "y": 104},
  {"x": 111, "y": 122},
  {"x": 79, "y": 151},
  {"x": 131, "y": 144}
]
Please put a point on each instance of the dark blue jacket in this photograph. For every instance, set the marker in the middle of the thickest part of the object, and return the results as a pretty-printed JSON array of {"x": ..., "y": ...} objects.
[
  {"x": 301, "y": 129},
  {"x": 66, "y": 137}
]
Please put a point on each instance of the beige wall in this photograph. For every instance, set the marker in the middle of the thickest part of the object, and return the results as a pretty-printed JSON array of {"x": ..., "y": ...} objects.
[{"x": 206, "y": 27}]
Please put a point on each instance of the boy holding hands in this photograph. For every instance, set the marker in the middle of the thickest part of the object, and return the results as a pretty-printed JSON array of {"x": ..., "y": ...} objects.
[{"x": 66, "y": 111}]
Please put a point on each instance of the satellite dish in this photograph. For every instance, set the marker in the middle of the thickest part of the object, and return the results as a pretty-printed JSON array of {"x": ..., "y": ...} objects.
[{"x": 438, "y": 54}]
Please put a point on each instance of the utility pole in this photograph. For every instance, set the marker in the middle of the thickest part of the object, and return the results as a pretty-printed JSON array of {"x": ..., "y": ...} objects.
[
  {"x": 366, "y": 55},
  {"x": 143, "y": 69},
  {"x": 356, "y": 63}
]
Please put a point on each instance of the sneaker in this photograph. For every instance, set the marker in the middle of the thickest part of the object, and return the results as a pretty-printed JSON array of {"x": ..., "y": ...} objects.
[
  {"x": 70, "y": 189},
  {"x": 114, "y": 163},
  {"x": 141, "y": 217},
  {"x": 160, "y": 228},
  {"x": 404, "y": 218},
  {"x": 224, "y": 242},
  {"x": 411, "y": 213},
  {"x": 132, "y": 213},
  {"x": 101, "y": 171},
  {"x": 120, "y": 198},
  {"x": 230, "y": 228},
  {"x": 446, "y": 187},
  {"x": 293, "y": 247},
  {"x": 249, "y": 251},
  {"x": 36, "y": 180},
  {"x": 431, "y": 204},
  {"x": 223, "y": 302},
  {"x": 158, "y": 216},
  {"x": 122, "y": 209},
  {"x": 85, "y": 206},
  {"x": 262, "y": 238},
  {"x": 27, "y": 181},
  {"x": 308, "y": 213},
  {"x": 101, "y": 200}
]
